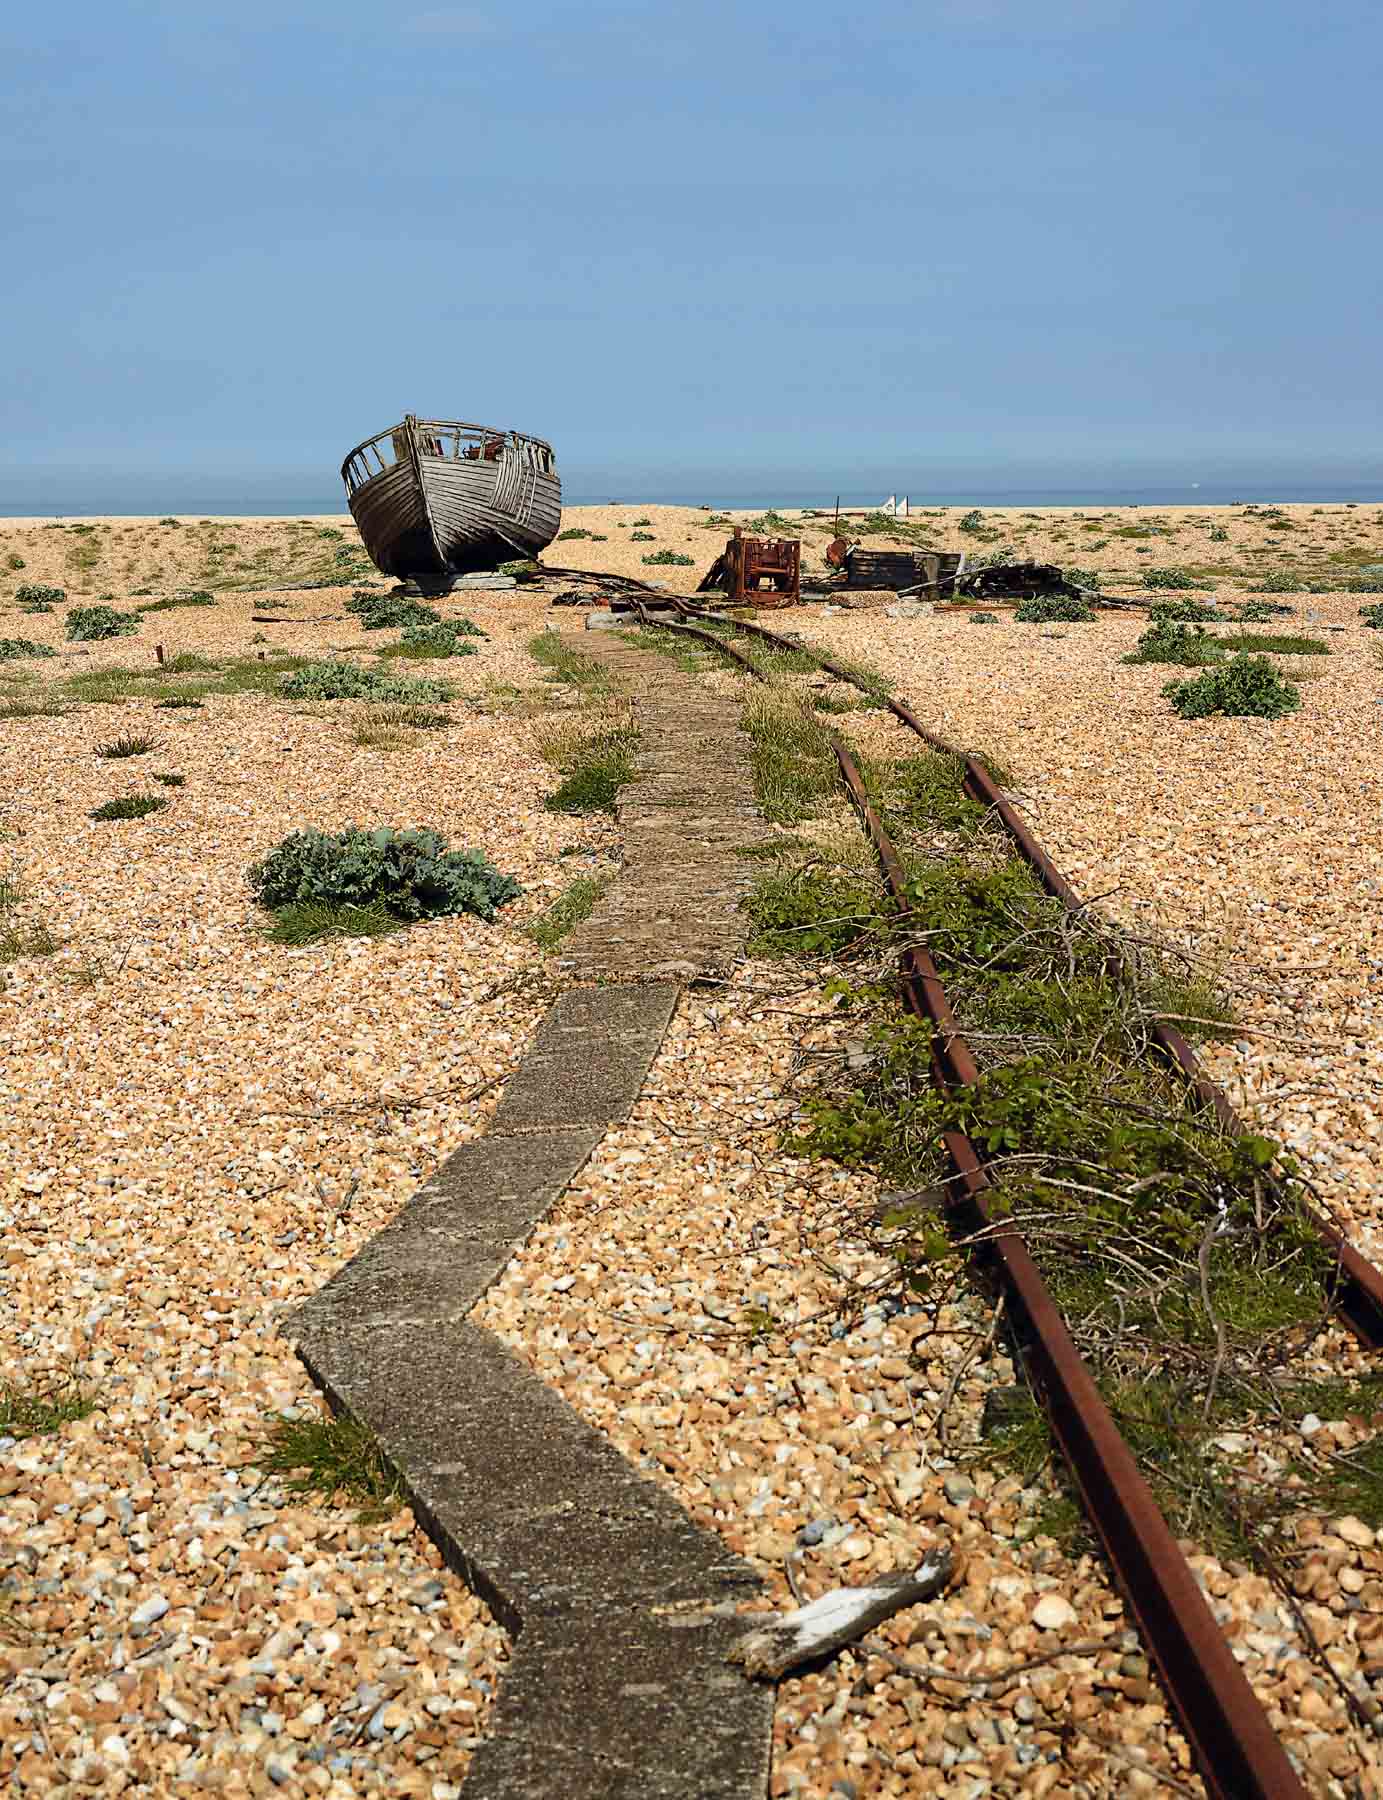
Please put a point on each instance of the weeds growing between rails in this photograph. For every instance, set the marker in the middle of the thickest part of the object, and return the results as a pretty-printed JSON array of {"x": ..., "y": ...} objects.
[{"x": 1183, "y": 1258}]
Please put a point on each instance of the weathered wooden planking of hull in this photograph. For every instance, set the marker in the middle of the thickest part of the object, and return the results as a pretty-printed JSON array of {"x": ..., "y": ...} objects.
[{"x": 438, "y": 497}]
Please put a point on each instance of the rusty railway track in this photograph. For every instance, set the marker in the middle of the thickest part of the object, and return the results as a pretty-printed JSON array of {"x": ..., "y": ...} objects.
[
  {"x": 1237, "y": 1754},
  {"x": 1358, "y": 1291}
]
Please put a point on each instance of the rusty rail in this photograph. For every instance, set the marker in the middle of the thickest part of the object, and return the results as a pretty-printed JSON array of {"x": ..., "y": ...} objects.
[
  {"x": 1358, "y": 1293},
  {"x": 1236, "y": 1751}
]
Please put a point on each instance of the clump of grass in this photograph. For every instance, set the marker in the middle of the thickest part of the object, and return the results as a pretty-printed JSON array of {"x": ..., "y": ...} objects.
[
  {"x": 569, "y": 666},
  {"x": 595, "y": 767},
  {"x": 130, "y": 744},
  {"x": 27, "y": 1412},
  {"x": 170, "y": 778},
  {"x": 178, "y": 702},
  {"x": 311, "y": 921},
  {"x": 574, "y": 904},
  {"x": 32, "y": 709},
  {"x": 20, "y": 941},
  {"x": 328, "y": 1457},
  {"x": 794, "y": 766},
  {"x": 129, "y": 806},
  {"x": 401, "y": 716}
]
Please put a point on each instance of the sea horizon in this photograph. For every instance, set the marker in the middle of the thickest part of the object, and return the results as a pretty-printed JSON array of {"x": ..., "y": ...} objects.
[{"x": 145, "y": 499}]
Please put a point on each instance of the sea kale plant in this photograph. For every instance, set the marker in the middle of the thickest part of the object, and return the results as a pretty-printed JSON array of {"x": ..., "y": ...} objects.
[
  {"x": 411, "y": 874},
  {"x": 1243, "y": 687},
  {"x": 85, "y": 624}
]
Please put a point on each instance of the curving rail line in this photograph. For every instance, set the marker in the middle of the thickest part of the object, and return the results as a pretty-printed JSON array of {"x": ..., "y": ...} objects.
[{"x": 1237, "y": 1753}]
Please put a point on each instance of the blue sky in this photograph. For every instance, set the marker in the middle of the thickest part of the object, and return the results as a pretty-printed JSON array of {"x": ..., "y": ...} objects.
[{"x": 817, "y": 243}]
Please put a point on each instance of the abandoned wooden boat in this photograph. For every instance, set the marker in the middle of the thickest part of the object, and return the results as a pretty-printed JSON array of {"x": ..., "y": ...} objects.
[{"x": 437, "y": 497}]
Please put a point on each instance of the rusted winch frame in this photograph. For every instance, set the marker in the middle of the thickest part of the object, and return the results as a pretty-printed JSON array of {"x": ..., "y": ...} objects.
[
  {"x": 1236, "y": 1751},
  {"x": 1358, "y": 1289}
]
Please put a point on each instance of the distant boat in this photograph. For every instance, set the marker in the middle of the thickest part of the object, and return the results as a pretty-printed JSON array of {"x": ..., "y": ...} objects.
[{"x": 437, "y": 497}]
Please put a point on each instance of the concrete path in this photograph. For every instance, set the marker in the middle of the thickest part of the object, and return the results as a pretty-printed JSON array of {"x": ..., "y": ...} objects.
[{"x": 621, "y": 1609}]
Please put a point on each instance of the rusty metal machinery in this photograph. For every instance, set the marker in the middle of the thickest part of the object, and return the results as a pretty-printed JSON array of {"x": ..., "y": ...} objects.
[{"x": 747, "y": 563}]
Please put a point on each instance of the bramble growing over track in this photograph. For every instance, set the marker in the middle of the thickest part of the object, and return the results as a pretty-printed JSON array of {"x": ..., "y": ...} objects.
[
  {"x": 1244, "y": 687},
  {"x": 410, "y": 873}
]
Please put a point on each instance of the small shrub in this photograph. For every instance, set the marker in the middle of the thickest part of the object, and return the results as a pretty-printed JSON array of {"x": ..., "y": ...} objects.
[
  {"x": 1254, "y": 611},
  {"x": 11, "y": 649},
  {"x": 1051, "y": 609},
  {"x": 34, "y": 593},
  {"x": 1083, "y": 578},
  {"x": 1183, "y": 612},
  {"x": 410, "y": 873},
  {"x": 521, "y": 569},
  {"x": 168, "y": 521},
  {"x": 983, "y": 618},
  {"x": 1170, "y": 578},
  {"x": 577, "y": 531},
  {"x": 669, "y": 559},
  {"x": 1174, "y": 641},
  {"x": 129, "y": 806},
  {"x": 441, "y": 639},
  {"x": 128, "y": 745},
  {"x": 87, "y": 624},
  {"x": 15, "y": 562},
  {"x": 1218, "y": 534},
  {"x": 1363, "y": 584},
  {"x": 972, "y": 521},
  {"x": 382, "y": 612},
  {"x": 642, "y": 537},
  {"x": 715, "y": 519},
  {"x": 175, "y": 702},
  {"x": 1372, "y": 616},
  {"x": 342, "y": 680},
  {"x": 1243, "y": 687}
]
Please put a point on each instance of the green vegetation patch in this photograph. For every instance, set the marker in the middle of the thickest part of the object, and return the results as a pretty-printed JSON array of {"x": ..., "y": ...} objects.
[
  {"x": 331, "y": 1457},
  {"x": 129, "y": 806},
  {"x": 88, "y": 624},
  {"x": 339, "y": 679},
  {"x": 27, "y": 1412},
  {"x": 12, "y": 649},
  {"x": 39, "y": 596},
  {"x": 1243, "y": 687},
  {"x": 383, "y": 612},
  {"x": 572, "y": 906},
  {"x": 1052, "y": 609},
  {"x": 411, "y": 874}
]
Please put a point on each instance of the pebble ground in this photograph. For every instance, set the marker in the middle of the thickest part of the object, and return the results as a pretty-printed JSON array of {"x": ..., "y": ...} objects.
[{"x": 168, "y": 1617}]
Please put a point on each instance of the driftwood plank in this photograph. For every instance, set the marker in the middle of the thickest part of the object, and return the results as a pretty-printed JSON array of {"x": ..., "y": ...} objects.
[{"x": 838, "y": 1618}]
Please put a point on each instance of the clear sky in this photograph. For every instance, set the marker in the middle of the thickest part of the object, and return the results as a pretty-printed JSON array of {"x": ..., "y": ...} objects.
[{"x": 820, "y": 242}]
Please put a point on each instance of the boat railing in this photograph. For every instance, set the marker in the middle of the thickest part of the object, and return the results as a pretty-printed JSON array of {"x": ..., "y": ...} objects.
[{"x": 442, "y": 438}]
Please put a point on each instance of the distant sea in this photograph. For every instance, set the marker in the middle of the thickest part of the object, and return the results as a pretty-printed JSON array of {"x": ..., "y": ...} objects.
[{"x": 70, "y": 497}]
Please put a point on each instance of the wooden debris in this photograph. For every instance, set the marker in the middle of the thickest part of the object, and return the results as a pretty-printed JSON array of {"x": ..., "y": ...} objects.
[{"x": 838, "y": 1618}]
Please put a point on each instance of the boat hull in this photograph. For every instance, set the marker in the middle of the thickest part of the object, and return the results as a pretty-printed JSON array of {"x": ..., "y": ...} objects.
[{"x": 440, "y": 515}]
